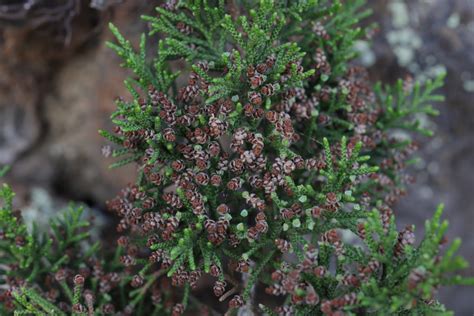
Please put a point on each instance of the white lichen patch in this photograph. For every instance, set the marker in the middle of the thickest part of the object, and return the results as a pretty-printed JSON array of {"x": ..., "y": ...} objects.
[
  {"x": 454, "y": 20},
  {"x": 407, "y": 43},
  {"x": 366, "y": 54},
  {"x": 468, "y": 85},
  {"x": 402, "y": 38},
  {"x": 400, "y": 15}
]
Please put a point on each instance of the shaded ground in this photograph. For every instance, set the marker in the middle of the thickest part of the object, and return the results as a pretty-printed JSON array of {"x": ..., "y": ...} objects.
[{"x": 58, "y": 82}]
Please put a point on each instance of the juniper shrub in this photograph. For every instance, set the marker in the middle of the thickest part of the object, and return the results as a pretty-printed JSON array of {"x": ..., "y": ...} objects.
[{"x": 265, "y": 160}]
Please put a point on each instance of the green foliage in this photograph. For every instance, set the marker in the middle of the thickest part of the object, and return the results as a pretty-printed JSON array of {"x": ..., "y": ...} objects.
[
  {"x": 37, "y": 264},
  {"x": 223, "y": 45},
  {"x": 403, "y": 103},
  {"x": 4, "y": 170},
  {"x": 408, "y": 282},
  {"x": 16, "y": 245},
  {"x": 32, "y": 303}
]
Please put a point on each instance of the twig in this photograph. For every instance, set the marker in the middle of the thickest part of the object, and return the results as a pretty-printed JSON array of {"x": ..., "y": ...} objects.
[{"x": 229, "y": 293}]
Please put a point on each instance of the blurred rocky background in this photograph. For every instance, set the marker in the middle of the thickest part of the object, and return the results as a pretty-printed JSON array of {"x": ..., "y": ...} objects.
[
  {"x": 58, "y": 82},
  {"x": 422, "y": 38}
]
